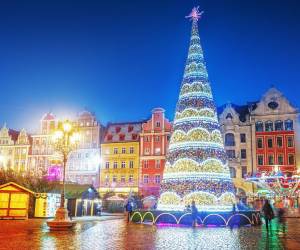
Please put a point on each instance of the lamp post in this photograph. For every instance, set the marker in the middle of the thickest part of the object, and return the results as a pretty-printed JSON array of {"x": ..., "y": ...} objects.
[{"x": 64, "y": 140}]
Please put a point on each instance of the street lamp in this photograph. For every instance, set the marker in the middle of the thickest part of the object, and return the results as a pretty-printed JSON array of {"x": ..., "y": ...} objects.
[{"x": 64, "y": 140}]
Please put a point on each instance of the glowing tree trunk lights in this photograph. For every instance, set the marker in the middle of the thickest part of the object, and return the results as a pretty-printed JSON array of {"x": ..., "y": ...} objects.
[{"x": 196, "y": 167}]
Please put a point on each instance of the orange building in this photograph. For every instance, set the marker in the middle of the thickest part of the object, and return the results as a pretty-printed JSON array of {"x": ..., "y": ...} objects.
[{"x": 154, "y": 141}]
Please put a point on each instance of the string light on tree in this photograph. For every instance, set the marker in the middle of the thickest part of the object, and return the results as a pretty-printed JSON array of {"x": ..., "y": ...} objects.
[{"x": 196, "y": 166}]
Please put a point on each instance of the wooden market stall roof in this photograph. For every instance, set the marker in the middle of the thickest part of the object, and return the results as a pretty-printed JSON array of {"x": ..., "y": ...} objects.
[{"x": 17, "y": 187}]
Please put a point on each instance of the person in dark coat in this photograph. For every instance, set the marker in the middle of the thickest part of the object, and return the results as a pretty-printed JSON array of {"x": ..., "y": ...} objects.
[
  {"x": 282, "y": 219},
  {"x": 194, "y": 213},
  {"x": 128, "y": 209},
  {"x": 268, "y": 213}
]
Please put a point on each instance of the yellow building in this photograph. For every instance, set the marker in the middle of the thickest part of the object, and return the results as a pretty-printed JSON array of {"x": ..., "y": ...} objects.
[
  {"x": 119, "y": 170},
  {"x": 14, "y": 149}
]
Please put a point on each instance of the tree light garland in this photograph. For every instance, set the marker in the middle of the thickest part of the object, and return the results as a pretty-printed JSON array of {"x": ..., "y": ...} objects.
[{"x": 196, "y": 165}]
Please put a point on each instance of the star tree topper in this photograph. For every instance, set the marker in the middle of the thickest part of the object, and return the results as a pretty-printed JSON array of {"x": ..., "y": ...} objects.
[{"x": 195, "y": 14}]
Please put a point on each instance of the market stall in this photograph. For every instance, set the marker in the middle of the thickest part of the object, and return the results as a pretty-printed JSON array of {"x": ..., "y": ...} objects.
[{"x": 14, "y": 201}]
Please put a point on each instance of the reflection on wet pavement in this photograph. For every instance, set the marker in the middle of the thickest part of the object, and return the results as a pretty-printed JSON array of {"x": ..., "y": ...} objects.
[{"x": 115, "y": 234}]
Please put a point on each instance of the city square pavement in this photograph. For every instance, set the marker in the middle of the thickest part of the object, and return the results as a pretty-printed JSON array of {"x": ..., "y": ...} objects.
[{"x": 111, "y": 232}]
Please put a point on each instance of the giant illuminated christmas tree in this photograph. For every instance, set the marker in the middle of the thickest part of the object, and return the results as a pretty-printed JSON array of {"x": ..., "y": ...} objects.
[{"x": 196, "y": 166}]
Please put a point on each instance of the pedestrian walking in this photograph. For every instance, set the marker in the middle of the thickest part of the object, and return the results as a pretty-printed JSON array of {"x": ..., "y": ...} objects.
[
  {"x": 194, "y": 213},
  {"x": 268, "y": 213},
  {"x": 128, "y": 209},
  {"x": 281, "y": 218}
]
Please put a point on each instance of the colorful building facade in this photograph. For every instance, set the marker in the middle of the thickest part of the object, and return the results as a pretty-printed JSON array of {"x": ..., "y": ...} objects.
[
  {"x": 275, "y": 120},
  {"x": 83, "y": 164},
  {"x": 14, "y": 149},
  {"x": 260, "y": 137},
  {"x": 120, "y": 150},
  {"x": 42, "y": 159},
  {"x": 154, "y": 141}
]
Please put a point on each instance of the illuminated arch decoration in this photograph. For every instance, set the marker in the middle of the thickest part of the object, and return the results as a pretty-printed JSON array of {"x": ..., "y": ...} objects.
[
  {"x": 227, "y": 199},
  {"x": 189, "y": 165},
  {"x": 204, "y": 218},
  {"x": 197, "y": 135},
  {"x": 204, "y": 113},
  {"x": 197, "y": 87},
  {"x": 200, "y": 198}
]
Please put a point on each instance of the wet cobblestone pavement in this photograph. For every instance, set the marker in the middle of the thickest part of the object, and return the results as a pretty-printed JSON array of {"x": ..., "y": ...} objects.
[{"x": 113, "y": 233}]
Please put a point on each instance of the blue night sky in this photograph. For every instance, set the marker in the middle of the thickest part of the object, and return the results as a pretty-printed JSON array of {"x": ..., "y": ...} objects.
[{"x": 120, "y": 59}]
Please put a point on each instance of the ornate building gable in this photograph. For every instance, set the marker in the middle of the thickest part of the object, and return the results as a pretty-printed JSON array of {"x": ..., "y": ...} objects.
[
  {"x": 23, "y": 138},
  {"x": 229, "y": 115},
  {"x": 5, "y": 138},
  {"x": 274, "y": 102},
  {"x": 157, "y": 121}
]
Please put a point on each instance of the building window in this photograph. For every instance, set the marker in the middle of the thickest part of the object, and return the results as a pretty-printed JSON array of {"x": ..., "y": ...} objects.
[
  {"x": 158, "y": 124},
  {"x": 123, "y": 179},
  {"x": 157, "y": 163},
  {"x": 229, "y": 116},
  {"x": 146, "y": 178},
  {"x": 229, "y": 139},
  {"x": 157, "y": 179},
  {"x": 288, "y": 125},
  {"x": 259, "y": 127},
  {"x": 115, "y": 164},
  {"x": 131, "y": 150},
  {"x": 168, "y": 138},
  {"x": 123, "y": 164},
  {"x": 243, "y": 138},
  {"x": 147, "y": 138},
  {"x": 232, "y": 172},
  {"x": 278, "y": 125},
  {"x": 244, "y": 171},
  {"x": 157, "y": 151},
  {"x": 107, "y": 164},
  {"x": 280, "y": 159},
  {"x": 291, "y": 159},
  {"x": 130, "y": 128},
  {"x": 157, "y": 138},
  {"x": 123, "y": 150},
  {"x": 147, "y": 151},
  {"x": 271, "y": 159},
  {"x": 260, "y": 143},
  {"x": 290, "y": 142},
  {"x": 243, "y": 154},
  {"x": 230, "y": 154},
  {"x": 270, "y": 142},
  {"x": 114, "y": 178},
  {"x": 130, "y": 179},
  {"x": 260, "y": 160},
  {"x": 115, "y": 150},
  {"x": 279, "y": 142},
  {"x": 269, "y": 126},
  {"x": 130, "y": 164},
  {"x": 146, "y": 164}
]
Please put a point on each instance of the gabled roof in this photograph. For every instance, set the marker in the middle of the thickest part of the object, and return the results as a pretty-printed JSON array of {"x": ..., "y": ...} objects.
[
  {"x": 242, "y": 110},
  {"x": 17, "y": 186},
  {"x": 125, "y": 130},
  {"x": 48, "y": 117}
]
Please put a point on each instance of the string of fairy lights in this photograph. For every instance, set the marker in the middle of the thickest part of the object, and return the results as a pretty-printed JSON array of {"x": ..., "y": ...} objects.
[{"x": 196, "y": 167}]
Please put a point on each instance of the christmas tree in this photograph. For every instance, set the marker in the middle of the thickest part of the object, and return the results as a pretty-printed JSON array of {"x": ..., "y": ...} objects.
[{"x": 196, "y": 164}]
